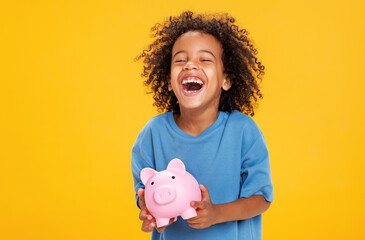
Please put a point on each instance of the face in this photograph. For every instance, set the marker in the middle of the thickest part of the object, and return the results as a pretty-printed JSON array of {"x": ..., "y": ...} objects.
[{"x": 197, "y": 77}]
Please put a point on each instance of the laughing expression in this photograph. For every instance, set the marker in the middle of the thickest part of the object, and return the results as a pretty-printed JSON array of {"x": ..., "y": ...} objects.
[{"x": 197, "y": 77}]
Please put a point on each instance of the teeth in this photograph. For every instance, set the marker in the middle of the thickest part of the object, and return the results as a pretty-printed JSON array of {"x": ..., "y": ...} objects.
[{"x": 186, "y": 81}]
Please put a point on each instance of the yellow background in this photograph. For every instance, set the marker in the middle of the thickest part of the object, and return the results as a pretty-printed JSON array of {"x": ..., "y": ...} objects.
[{"x": 72, "y": 104}]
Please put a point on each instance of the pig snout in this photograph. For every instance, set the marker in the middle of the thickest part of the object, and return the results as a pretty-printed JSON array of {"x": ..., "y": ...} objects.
[{"x": 164, "y": 194}]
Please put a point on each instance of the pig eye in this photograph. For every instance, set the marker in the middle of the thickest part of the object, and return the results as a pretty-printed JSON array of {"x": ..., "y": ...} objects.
[
  {"x": 152, "y": 183},
  {"x": 173, "y": 177}
]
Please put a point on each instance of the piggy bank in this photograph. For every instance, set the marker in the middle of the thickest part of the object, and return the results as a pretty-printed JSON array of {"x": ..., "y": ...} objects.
[{"x": 168, "y": 193}]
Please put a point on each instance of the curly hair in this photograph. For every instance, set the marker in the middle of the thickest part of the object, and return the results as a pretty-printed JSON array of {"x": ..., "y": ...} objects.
[{"x": 239, "y": 61}]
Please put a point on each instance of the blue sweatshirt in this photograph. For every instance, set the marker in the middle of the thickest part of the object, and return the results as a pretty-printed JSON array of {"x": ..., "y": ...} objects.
[{"x": 230, "y": 158}]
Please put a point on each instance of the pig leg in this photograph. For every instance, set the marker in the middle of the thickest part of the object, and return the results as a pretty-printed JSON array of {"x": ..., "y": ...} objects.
[
  {"x": 189, "y": 213},
  {"x": 162, "y": 222}
]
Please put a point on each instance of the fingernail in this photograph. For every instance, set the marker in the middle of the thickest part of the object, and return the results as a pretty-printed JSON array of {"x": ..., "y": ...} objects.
[
  {"x": 193, "y": 204},
  {"x": 152, "y": 224},
  {"x": 149, "y": 217}
]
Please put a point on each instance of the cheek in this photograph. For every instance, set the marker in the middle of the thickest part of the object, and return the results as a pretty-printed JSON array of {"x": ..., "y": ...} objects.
[
  {"x": 174, "y": 76},
  {"x": 217, "y": 74},
  {"x": 213, "y": 76}
]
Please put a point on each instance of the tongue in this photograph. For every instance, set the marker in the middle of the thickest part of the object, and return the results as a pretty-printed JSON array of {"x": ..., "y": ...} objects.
[{"x": 193, "y": 86}]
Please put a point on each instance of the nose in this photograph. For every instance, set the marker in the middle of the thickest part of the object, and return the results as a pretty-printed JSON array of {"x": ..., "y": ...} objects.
[
  {"x": 191, "y": 65},
  {"x": 164, "y": 194}
]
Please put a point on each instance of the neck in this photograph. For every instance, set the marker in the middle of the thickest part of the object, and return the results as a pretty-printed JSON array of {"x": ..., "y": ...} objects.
[{"x": 195, "y": 122}]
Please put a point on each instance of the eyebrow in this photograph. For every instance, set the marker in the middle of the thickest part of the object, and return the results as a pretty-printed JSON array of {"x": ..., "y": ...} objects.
[{"x": 183, "y": 51}]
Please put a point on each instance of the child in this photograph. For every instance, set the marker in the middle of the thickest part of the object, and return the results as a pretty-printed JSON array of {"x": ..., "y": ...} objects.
[{"x": 203, "y": 72}]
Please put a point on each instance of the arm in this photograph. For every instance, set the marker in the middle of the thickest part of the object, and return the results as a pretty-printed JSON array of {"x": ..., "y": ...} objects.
[
  {"x": 256, "y": 185},
  {"x": 209, "y": 213},
  {"x": 146, "y": 218},
  {"x": 242, "y": 208}
]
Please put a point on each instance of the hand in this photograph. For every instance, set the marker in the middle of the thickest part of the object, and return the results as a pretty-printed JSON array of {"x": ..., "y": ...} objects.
[
  {"x": 145, "y": 216},
  {"x": 149, "y": 222},
  {"x": 207, "y": 213}
]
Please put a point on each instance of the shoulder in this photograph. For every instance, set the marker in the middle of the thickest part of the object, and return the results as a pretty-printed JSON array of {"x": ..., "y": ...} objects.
[
  {"x": 160, "y": 119},
  {"x": 155, "y": 124},
  {"x": 243, "y": 125},
  {"x": 145, "y": 137},
  {"x": 241, "y": 120}
]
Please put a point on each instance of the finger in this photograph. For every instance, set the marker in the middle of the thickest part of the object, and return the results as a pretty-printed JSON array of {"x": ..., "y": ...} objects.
[
  {"x": 140, "y": 192},
  {"x": 144, "y": 215},
  {"x": 193, "y": 220},
  {"x": 163, "y": 228},
  {"x": 171, "y": 221},
  {"x": 148, "y": 226},
  {"x": 205, "y": 192},
  {"x": 196, "y": 225},
  {"x": 199, "y": 204}
]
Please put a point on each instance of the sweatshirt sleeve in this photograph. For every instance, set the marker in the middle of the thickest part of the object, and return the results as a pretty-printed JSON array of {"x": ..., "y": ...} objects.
[
  {"x": 142, "y": 157},
  {"x": 255, "y": 165}
]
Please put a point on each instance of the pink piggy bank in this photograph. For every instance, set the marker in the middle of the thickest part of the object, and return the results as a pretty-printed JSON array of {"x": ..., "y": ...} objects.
[{"x": 168, "y": 193}]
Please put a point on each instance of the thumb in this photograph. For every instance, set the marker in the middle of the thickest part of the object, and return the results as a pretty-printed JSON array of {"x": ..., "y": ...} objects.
[
  {"x": 141, "y": 201},
  {"x": 140, "y": 192},
  {"x": 205, "y": 198},
  {"x": 199, "y": 204}
]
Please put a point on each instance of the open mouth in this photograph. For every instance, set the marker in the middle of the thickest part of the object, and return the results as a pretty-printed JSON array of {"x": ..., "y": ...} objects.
[{"x": 192, "y": 85}]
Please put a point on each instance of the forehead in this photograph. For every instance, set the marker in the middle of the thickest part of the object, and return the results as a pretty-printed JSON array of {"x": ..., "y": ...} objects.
[{"x": 194, "y": 40}]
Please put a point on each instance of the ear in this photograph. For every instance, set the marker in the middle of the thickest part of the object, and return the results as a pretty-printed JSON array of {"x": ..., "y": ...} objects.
[
  {"x": 226, "y": 85},
  {"x": 176, "y": 165},
  {"x": 147, "y": 174}
]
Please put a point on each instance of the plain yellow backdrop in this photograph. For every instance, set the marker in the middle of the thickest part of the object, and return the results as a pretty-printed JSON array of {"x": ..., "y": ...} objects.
[{"x": 72, "y": 104}]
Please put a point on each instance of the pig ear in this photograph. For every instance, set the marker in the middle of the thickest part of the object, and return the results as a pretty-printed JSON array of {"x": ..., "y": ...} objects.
[
  {"x": 147, "y": 174},
  {"x": 176, "y": 164}
]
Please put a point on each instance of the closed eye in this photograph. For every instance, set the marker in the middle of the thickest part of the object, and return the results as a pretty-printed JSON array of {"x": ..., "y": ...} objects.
[
  {"x": 180, "y": 60},
  {"x": 206, "y": 60}
]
